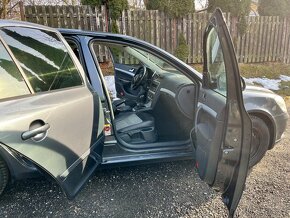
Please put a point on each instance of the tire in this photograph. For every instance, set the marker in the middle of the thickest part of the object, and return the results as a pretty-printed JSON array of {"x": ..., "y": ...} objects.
[
  {"x": 260, "y": 140},
  {"x": 4, "y": 175}
]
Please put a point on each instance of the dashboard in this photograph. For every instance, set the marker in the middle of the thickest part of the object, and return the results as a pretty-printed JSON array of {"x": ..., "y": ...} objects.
[{"x": 173, "y": 87}]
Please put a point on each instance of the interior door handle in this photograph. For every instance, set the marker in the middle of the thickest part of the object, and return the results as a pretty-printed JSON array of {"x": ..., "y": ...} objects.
[{"x": 32, "y": 133}]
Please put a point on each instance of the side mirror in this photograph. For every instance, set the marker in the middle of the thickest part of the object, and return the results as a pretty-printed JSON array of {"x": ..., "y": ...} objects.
[
  {"x": 243, "y": 83},
  {"x": 207, "y": 81}
]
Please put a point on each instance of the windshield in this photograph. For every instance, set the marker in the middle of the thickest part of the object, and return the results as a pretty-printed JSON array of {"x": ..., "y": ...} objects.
[{"x": 155, "y": 60}]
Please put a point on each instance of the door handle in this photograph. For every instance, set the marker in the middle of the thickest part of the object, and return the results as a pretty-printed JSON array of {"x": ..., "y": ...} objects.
[
  {"x": 132, "y": 70},
  {"x": 34, "y": 132}
]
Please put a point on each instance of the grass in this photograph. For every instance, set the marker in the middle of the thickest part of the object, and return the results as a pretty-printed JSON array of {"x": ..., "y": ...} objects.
[
  {"x": 284, "y": 89},
  {"x": 287, "y": 100},
  {"x": 268, "y": 70},
  {"x": 198, "y": 67}
]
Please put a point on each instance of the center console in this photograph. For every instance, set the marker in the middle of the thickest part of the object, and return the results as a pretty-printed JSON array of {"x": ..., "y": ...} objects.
[{"x": 153, "y": 88}]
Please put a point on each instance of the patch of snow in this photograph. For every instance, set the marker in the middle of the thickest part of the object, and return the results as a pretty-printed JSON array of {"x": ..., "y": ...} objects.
[
  {"x": 273, "y": 84},
  {"x": 110, "y": 84},
  {"x": 285, "y": 78}
]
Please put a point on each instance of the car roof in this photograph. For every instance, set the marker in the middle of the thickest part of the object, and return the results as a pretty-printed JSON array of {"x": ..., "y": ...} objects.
[
  {"x": 96, "y": 33},
  {"x": 14, "y": 23}
]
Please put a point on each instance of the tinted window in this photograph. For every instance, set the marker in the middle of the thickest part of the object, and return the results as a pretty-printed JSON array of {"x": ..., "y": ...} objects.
[
  {"x": 215, "y": 63},
  {"x": 130, "y": 56},
  {"x": 11, "y": 80},
  {"x": 118, "y": 52},
  {"x": 43, "y": 57}
]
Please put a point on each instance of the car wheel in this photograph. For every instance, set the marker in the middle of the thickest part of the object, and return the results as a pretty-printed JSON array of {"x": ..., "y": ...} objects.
[
  {"x": 4, "y": 175},
  {"x": 260, "y": 140}
]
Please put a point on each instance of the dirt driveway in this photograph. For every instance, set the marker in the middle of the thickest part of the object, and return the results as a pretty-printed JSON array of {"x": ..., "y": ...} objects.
[{"x": 157, "y": 190}]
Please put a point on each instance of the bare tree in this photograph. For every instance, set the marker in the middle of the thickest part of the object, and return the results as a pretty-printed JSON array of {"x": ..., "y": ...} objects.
[
  {"x": 4, "y": 5},
  {"x": 8, "y": 7}
]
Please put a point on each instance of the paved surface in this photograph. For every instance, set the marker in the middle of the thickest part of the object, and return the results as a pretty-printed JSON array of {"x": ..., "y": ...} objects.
[{"x": 157, "y": 190}]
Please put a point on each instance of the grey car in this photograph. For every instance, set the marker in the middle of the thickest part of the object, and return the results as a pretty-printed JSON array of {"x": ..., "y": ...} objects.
[
  {"x": 267, "y": 110},
  {"x": 59, "y": 120}
]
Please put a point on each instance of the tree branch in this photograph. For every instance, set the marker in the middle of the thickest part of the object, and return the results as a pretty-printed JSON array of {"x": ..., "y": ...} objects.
[{"x": 202, "y": 10}]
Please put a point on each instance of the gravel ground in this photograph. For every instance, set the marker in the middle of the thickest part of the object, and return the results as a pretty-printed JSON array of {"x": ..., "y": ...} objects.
[{"x": 157, "y": 190}]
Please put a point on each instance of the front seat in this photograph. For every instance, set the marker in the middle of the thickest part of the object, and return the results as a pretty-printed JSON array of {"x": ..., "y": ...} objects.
[
  {"x": 122, "y": 105},
  {"x": 136, "y": 127}
]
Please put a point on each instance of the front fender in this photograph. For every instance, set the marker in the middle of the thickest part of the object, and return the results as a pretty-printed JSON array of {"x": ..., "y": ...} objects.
[{"x": 268, "y": 105}]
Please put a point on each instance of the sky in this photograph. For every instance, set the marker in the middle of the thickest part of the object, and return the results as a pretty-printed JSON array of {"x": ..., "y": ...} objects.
[{"x": 200, "y": 4}]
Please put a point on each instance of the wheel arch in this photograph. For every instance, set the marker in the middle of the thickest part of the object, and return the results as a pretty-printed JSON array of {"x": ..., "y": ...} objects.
[
  {"x": 18, "y": 167},
  {"x": 266, "y": 117},
  {"x": 6, "y": 156}
]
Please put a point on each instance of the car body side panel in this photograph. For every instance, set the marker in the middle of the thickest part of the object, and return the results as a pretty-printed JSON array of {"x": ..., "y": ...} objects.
[
  {"x": 66, "y": 148},
  {"x": 265, "y": 105}
]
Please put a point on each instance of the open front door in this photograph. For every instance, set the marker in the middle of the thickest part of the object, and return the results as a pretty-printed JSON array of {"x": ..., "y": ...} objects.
[{"x": 223, "y": 127}]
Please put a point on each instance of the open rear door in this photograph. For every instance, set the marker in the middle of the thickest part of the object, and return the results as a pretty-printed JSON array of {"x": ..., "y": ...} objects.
[
  {"x": 223, "y": 127},
  {"x": 59, "y": 127}
]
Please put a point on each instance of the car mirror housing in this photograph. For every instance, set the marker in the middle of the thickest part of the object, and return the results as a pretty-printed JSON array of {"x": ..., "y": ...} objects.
[
  {"x": 243, "y": 83},
  {"x": 207, "y": 82}
]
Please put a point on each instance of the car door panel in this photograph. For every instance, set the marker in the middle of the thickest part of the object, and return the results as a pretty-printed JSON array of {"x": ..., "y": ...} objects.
[
  {"x": 209, "y": 124},
  {"x": 223, "y": 127},
  {"x": 66, "y": 152}
]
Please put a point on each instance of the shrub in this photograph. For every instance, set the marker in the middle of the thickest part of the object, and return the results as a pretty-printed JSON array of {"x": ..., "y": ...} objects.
[
  {"x": 174, "y": 8},
  {"x": 182, "y": 50},
  {"x": 274, "y": 8}
]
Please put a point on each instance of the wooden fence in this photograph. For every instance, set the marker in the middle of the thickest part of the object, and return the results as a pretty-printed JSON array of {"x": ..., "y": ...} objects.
[{"x": 267, "y": 38}]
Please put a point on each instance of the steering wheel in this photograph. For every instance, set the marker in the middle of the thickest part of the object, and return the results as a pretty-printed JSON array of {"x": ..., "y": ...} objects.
[{"x": 138, "y": 77}]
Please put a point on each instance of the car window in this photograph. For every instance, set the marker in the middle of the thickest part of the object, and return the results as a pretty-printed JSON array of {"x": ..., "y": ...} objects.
[
  {"x": 132, "y": 56},
  {"x": 157, "y": 61},
  {"x": 118, "y": 54},
  {"x": 215, "y": 63},
  {"x": 122, "y": 56},
  {"x": 104, "y": 58},
  {"x": 43, "y": 58},
  {"x": 11, "y": 81}
]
